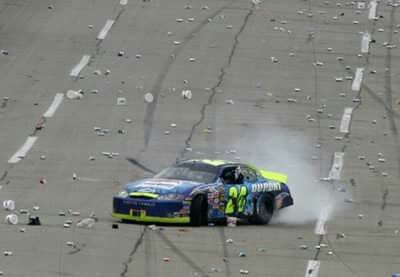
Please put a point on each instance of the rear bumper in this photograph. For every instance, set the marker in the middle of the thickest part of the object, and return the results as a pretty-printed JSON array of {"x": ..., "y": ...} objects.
[{"x": 151, "y": 210}]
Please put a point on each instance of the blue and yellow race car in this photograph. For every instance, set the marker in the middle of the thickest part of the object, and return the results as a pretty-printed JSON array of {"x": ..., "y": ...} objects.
[{"x": 198, "y": 192}]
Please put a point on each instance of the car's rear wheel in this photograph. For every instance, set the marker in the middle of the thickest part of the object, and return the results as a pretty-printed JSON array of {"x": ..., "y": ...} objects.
[
  {"x": 198, "y": 211},
  {"x": 263, "y": 210}
]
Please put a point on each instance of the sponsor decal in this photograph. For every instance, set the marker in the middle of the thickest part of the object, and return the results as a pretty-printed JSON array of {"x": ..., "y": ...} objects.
[{"x": 263, "y": 187}]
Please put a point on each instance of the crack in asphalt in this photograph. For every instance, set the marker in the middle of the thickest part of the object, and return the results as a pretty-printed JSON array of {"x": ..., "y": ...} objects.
[
  {"x": 132, "y": 253},
  {"x": 155, "y": 90},
  {"x": 135, "y": 162},
  {"x": 4, "y": 175},
  {"x": 225, "y": 251},
  {"x": 182, "y": 255},
  {"x": 221, "y": 76},
  {"x": 389, "y": 103},
  {"x": 148, "y": 238}
]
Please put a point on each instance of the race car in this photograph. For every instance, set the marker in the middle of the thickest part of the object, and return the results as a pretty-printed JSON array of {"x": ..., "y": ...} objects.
[{"x": 199, "y": 192}]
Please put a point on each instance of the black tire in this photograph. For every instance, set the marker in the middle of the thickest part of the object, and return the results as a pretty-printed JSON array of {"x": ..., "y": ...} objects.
[
  {"x": 198, "y": 211},
  {"x": 263, "y": 210}
]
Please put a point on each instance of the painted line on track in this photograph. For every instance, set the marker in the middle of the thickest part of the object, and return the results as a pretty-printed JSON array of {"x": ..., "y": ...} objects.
[
  {"x": 312, "y": 268},
  {"x": 366, "y": 38},
  {"x": 372, "y": 10},
  {"x": 320, "y": 228},
  {"x": 78, "y": 68},
  {"x": 103, "y": 33},
  {"x": 358, "y": 77},
  {"x": 123, "y": 2},
  {"x": 54, "y": 105},
  {"x": 337, "y": 165},
  {"x": 346, "y": 119},
  {"x": 23, "y": 151}
]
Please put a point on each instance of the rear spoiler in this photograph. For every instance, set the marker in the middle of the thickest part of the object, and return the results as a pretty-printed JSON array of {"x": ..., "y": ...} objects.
[{"x": 274, "y": 176}]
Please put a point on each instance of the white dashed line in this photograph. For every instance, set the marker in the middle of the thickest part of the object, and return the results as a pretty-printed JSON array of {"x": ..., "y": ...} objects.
[
  {"x": 320, "y": 228},
  {"x": 21, "y": 153},
  {"x": 372, "y": 10},
  {"x": 312, "y": 268},
  {"x": 356, "y": 85},
  {"x": 123, "y": 2},
  {"x": 322, "y": 219},
  {"x": 103, "y": 33},
  {"x": 346, "y": 119},
  {"x": 365, "y": 42},
  {"x": 54, "y": 106},
  {"x": 78, "y": 68},
  {"x": 337, "y": 165}
]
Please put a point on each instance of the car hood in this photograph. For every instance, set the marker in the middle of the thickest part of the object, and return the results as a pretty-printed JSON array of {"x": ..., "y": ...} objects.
[{"x": 162, "y": 186}]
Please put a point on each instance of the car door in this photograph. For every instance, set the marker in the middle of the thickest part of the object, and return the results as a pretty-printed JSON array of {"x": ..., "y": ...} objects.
[
  {"x": 236, "y": 190},
  {"x": 250, "y": 177}
]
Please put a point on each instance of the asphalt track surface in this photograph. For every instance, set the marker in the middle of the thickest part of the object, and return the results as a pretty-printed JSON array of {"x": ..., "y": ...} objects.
[{"x": 233, "y": 43}]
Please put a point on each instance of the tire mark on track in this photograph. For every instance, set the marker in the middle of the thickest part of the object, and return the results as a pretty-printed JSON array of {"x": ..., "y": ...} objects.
[
  {"x": 133, "y": 252},
  {"x": 221, "y": 77},
  {"x": 148, "y": 238},
  {"x": 182, "y": 255},
  {"x": 155, "y": 90}
]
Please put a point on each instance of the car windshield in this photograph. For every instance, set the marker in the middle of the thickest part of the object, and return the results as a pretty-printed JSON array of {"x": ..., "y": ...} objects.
[{"x": 196, "y": 172}]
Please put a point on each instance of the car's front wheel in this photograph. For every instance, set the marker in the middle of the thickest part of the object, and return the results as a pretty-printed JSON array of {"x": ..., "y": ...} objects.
[
  {"x": 198, "y": 211},
  {"x": 263, "y": 210}
]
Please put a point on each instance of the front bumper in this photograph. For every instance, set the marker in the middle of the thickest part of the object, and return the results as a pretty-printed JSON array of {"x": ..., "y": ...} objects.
[{"x": 150, "y": 210}]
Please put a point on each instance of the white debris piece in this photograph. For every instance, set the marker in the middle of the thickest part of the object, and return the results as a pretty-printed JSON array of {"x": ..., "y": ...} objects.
[
  {"x": 303, "y": 247},
  {"x": 73, "y": 94},
  {"x": 9, "y": 205},
  {"x": 70, "y": 243},
  {"x": 187, "y": 94},
  {"x": 229, "y": 241},
  {"x": 274, "y": 59},
  {"x": 12, "y": 219},
  {"x": 148, "y": 97},
  {"x": 121, "y": 101},
  {"x": 86, "y": 223}
]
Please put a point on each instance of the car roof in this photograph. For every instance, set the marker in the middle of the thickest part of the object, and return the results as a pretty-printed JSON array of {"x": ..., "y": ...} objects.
[{"x": 216, "y": 163}]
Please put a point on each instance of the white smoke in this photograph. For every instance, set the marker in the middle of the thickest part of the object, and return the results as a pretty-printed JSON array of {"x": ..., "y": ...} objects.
[{"x": 291, "y": 153}]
